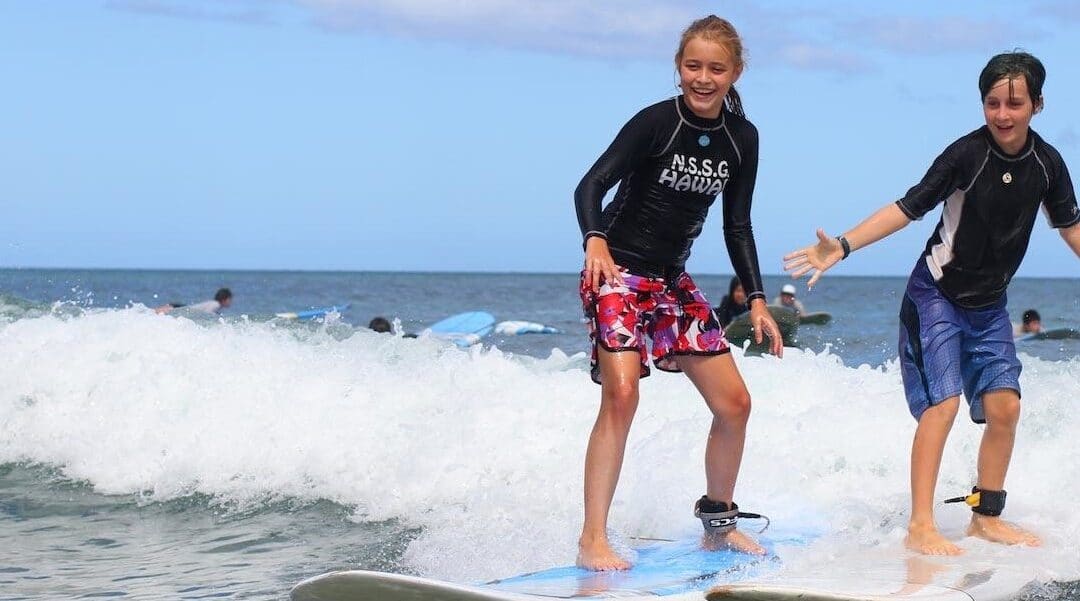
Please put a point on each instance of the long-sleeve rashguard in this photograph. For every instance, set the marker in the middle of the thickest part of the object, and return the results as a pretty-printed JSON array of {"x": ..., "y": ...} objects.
[{"x": 671, "y": 165}]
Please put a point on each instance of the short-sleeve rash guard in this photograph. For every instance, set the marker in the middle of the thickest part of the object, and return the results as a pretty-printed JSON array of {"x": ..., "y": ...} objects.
[
  {"x": 671, "y": 165},
  {"x": 991, "y": 200}
]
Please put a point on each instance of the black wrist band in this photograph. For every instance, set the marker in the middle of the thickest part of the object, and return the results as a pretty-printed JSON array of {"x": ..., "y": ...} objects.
[{"x": 844, "y": 245}]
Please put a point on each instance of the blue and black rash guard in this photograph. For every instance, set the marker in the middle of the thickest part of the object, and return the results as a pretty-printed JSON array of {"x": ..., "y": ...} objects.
[
  {"x": 671, "y": 165},
  {"x": 991, "y": 200}
]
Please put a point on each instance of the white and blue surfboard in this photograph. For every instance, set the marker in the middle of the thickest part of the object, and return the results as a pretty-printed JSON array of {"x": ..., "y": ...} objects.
[
  {"x": 683, "y": 571},
  {"x": 313, "y": 313},
  {"x": 464, "y": 329},
  {"x": 668, "y": 569},
  {"x": 518, "y": 327}
]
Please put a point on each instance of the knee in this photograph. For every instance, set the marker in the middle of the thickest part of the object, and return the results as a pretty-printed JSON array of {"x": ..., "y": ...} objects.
[
  {"x": 944, "y": 412},
  {"x": 1002, "y": 411},
  {"x": 621, "y": 399},
  {"x": 734, "y": 409}
]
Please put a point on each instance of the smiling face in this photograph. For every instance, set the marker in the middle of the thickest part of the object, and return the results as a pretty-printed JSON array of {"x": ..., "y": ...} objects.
[
  {"x": 1008, "y": 108},
  {"x": 706, "y": 73}
]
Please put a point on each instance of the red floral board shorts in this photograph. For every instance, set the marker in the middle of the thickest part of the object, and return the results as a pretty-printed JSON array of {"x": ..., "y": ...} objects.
[{"x": 676, "y": 317}]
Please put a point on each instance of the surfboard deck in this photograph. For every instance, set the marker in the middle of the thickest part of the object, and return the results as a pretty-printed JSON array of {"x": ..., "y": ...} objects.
[
  {"x": 463, "y": 329},
  {"x": 673, "y": 570}
]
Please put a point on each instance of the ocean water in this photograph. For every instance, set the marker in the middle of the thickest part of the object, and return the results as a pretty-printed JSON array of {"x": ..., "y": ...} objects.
[{"x": 168, "y": 457}]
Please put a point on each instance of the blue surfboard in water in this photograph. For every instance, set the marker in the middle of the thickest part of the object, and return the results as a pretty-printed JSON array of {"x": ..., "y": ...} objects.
[
  {"x": 464, "y": 329},
  {"x": 313, "y": 313}
]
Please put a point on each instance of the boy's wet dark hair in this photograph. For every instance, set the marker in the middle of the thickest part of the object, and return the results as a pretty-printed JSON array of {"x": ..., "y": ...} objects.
[
  {"x": 1010, "y": 65},
  {"x": 222, "y": 295},
  {"x": 1031, "y": 315}
]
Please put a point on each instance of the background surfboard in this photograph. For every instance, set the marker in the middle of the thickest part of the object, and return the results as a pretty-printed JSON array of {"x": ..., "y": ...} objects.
[
  {"x": 463, "y": 329},
  {"x": 313, "y": 313},
  {"x": 1055, "y": 334},
  {"x": 518, "y": 327},
  {"x": 817, "y": 318},
  {"x": 739, "y": 331}
]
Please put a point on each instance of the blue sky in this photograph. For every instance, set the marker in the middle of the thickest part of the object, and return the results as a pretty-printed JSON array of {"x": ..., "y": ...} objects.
[{"x": 449, "y": 135}]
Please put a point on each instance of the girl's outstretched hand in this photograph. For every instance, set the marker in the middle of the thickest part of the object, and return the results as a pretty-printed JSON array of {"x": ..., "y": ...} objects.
[
  {"x": 764, "y": 325},
  {"x": 599, "y": 265},
  {"x": 816, "y": 257}
]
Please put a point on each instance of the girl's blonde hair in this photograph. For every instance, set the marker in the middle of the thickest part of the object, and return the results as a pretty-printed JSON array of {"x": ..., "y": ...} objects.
[{"x": 714, "y": 29}]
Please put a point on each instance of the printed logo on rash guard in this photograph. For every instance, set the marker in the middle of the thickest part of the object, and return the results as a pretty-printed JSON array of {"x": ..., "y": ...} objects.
[{"x": 694, "y": 174}]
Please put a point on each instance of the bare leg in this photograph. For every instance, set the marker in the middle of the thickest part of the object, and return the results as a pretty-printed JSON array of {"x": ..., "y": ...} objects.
[
  {"x": 619, "y": 373},
  {"x": 926, "y": 451},
  {"x": 1002, "y": 413},
  {"x": 719, "y": 382}
]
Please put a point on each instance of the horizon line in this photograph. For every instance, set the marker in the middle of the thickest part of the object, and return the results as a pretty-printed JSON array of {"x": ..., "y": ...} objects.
[{"x": 428, "y": 271}]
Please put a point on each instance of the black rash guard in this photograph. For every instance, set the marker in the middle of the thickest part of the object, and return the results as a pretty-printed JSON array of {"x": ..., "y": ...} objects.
[
  {"x": 991, "y": 200},
  {"x": 671, "y": 165}
]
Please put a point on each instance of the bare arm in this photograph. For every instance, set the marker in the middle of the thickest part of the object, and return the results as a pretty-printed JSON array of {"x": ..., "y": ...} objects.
[
  {"x": 828, "y": 252},
  {"x": 1071, "y": 235}
]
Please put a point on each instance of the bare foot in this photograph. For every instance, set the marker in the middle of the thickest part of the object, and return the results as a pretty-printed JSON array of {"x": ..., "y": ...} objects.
[
  {"x": 928, "y": 541},
  {"x": 997, "y": 530},
  {"x": 597, "y": 554},
  {"x": 734, "y": 540}
]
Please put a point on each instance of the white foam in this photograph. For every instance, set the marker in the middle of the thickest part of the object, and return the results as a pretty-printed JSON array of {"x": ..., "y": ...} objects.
[{"x": 484, "y": 451}]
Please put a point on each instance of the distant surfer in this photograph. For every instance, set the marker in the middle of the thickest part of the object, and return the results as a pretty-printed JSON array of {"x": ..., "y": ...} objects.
[
  {"x": 1030, "y": 323},
  {"x": 680, "y": 154},
  {"x": 733, "y": 304},
  {"x": 222, "y": 300},
  {"x": 380, "y": 324},
  {"x": 955, "y": 334},
  {"x": 787, "y": 299}
]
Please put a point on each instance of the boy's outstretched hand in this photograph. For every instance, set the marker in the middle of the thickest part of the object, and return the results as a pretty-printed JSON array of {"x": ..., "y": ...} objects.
[{"x": 817, "y": 257}]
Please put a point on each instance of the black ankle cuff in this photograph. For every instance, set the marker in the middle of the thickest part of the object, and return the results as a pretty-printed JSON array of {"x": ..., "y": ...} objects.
[
  {"x": 983, "y": 502},
  {"x": 707, "y": 505},
  {"x": 991, "y": 502}
]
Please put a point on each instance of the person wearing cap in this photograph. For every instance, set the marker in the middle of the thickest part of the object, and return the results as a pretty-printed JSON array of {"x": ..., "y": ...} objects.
[{"x": 787, "y": 299}]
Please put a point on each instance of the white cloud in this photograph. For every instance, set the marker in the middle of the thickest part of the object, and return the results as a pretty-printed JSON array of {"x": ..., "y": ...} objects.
[
  {"x": 807, "y": 39},
  {"x": 598, "y": 28},
  {"x": 601, "y": 28},
  {"x": 821, "y": 57},
  {"x": 940, "y": 35}
]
